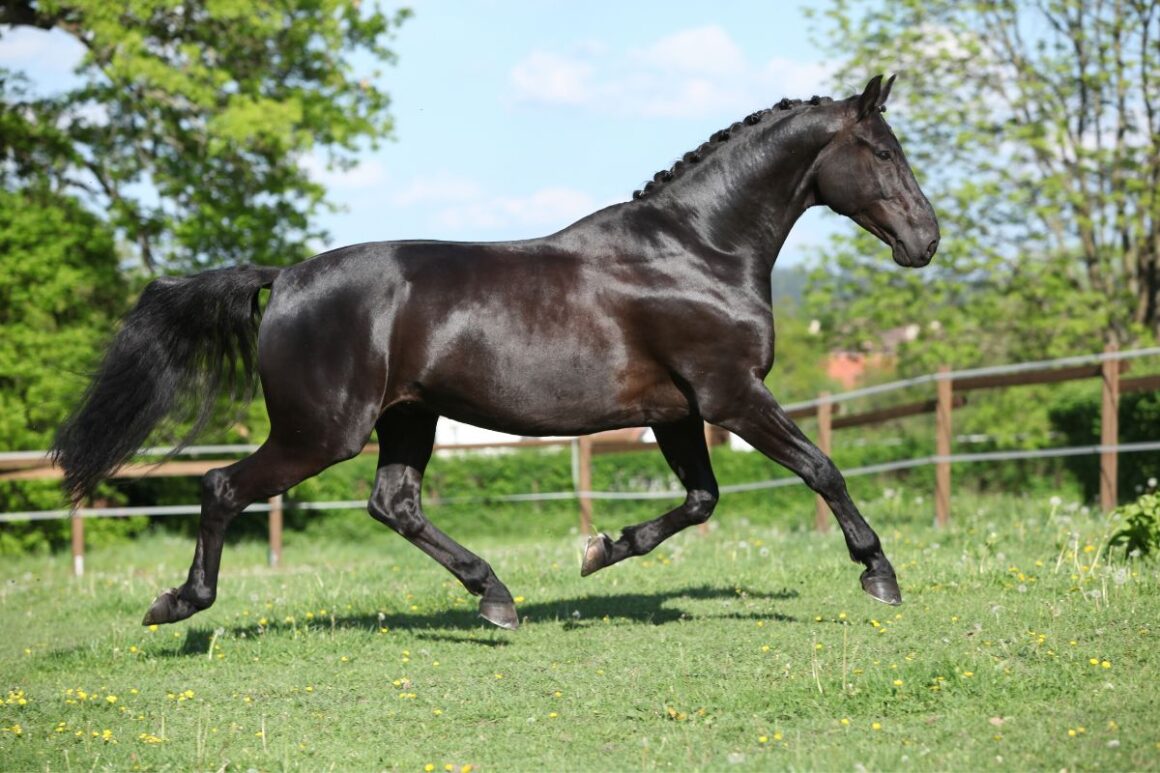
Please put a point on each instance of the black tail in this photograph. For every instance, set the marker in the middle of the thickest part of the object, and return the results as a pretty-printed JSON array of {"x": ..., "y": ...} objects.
[{"x": 181, "y": 343}]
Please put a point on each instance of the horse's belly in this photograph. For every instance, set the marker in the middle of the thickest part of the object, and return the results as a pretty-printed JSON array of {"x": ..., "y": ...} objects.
[{"x": 546, "y": 395}]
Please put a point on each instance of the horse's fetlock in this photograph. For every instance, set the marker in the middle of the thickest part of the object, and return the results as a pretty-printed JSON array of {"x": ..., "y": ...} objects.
[{"x": 200, "y": 598}]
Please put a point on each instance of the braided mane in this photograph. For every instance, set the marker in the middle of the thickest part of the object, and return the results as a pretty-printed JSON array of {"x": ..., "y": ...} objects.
[{"x": 718, "y": 138}]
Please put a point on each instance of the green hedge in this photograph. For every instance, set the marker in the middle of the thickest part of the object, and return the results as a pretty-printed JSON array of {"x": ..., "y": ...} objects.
[{"x": 1076, "y": 416}]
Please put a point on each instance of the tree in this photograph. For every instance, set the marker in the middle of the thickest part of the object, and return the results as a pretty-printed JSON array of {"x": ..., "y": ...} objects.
[
  {"x": 60, "y": 291},
  {"x": 193, "y": 117},
  {"x": 1035, "y": 129}
]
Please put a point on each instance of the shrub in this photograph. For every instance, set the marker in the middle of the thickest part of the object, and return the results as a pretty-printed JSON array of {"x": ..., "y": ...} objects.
[{"x": 1141, "y": 533}]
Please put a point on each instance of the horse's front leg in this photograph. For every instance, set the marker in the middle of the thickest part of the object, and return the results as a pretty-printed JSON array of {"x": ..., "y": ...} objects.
[{"x": 762, "y": 423}]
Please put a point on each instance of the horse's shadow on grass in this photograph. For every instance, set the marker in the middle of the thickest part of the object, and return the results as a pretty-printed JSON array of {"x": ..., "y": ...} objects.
[{"x": 576, "y": 613}]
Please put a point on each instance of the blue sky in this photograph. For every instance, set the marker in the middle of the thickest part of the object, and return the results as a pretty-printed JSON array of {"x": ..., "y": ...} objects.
[{"x": 515, "y": 118}]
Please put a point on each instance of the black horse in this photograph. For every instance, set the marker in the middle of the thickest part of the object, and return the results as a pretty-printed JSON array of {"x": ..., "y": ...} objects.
[{"x": 651, "y": 312}]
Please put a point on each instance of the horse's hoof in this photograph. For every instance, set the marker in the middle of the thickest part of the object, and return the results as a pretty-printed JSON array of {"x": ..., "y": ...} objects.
[
  {"x": 501, "y": 613},
  {"x": 596, "y": 554},
  {"x": 882, "y": 587},
  {"x": 168, "y": 608}
]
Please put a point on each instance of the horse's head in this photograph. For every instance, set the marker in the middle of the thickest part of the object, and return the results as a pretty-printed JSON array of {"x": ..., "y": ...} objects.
[{"x": 863, "y": 174}]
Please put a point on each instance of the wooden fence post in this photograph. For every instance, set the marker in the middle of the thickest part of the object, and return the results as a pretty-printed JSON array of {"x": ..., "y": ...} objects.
[
  {"x": 825, "y": 413},
  {"x": 275, "y": 554},
  {"x": 584, "y": 481},
  {"x": 942, "y": 470},
  {"x": 78, "y": 542},
  {"x": 1109, "y": 430}
]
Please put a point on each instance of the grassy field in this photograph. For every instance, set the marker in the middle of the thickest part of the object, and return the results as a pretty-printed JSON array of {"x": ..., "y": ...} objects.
[{"x": 1022, "y": 645}]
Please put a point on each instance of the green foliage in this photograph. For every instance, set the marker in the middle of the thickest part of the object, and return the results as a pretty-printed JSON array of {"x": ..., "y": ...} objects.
[
  {"x": 60, "y": 292},
  {"x": 1027, "y": 125},
  {"x": 1141, "y": 533},
  {"x": 192, "y": 119},
  {"x": 59, "y": 295},
  {"x": 1075, "y": 414}
]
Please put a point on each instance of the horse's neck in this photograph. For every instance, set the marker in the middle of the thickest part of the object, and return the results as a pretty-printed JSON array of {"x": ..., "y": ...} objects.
[{"x": 745, "y": 198}]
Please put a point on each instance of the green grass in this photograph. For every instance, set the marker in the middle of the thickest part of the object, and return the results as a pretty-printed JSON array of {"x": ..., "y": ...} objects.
[{"x": 750, "y": 645}]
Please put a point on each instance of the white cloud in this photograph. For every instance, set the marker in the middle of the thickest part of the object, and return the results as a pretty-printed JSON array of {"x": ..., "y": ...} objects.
[
  {"x": 551, "y": 207},
  {"x": 369, "y": 173},
  {"x": 692, "y": 72},
  {"x": 549, "y": 78},
  {"x": 703, "y": 50},
  {"x": 798, "y": 80},
  {"x": 437, "y": 189}
]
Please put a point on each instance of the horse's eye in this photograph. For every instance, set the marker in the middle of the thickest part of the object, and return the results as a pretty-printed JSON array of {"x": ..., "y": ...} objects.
[{"x": 883, "y": 154}]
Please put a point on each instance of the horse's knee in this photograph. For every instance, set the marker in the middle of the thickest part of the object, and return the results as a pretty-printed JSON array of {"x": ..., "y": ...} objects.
[
  {"x": 699, "y": 505},
  {"x": 823, "y": 476}
]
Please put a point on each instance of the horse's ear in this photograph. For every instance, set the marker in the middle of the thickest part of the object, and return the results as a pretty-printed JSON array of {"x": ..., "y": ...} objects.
[
  {"x": 869, "y": 101},
  {"x": 885, "y": 93}
]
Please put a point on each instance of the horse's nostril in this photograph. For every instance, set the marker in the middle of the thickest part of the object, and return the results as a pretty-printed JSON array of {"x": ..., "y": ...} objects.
[{"x": 930, "y": 248}]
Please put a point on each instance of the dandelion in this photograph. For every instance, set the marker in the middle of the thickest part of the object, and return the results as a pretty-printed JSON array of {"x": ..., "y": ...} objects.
[
  {"x": 429, "y": 767},
  {"x": 898, "y": 682},
  {"x": 552, "y": 715},
  {"x": 1094, "y": 661},
  {"x": 968, "y": 674},
  {"x": 777, "y": 735},
  {"x": 844, "y": 721},
  {"x": 875, "y": 725},
  {"x": 437, "y": 712},
  {"x": 1105, "y": 664},
  {"x": 762, "y": 739}
]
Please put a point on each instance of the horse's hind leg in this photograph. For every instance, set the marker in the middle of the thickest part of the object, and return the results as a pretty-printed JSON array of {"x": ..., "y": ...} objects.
[
  {"x": 225, "y": 492},
  {"x": 683, "y": 444},
  {"x": 405, "y": 443}
]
